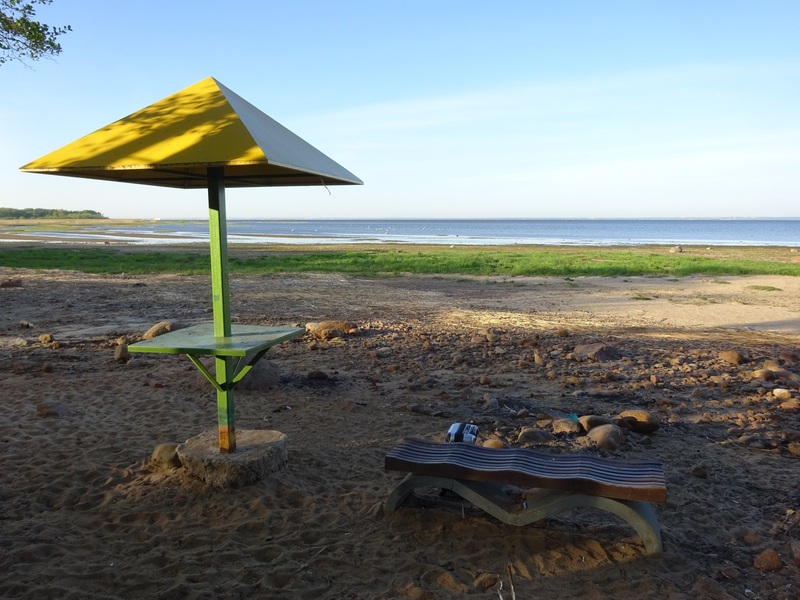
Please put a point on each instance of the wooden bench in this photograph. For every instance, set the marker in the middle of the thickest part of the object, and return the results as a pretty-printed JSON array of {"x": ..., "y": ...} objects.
[{"x": 557, "y": 482}]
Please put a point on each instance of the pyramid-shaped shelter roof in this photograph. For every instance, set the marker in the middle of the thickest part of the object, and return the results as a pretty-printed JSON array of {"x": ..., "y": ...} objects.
[{"x": 173, "y": 142}]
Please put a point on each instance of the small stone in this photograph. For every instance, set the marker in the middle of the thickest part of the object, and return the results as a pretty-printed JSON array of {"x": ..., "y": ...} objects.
[
  {"x": 751, "y": 537},
  {"x": 731, "y": 356},
  {"x": 730, "y": 572},
  {"x": 383, "y": 352},
  {"x": 789, "y": 357},
  {"x": 598, "y": 351},
  {"x": 161, "y": 328},
  {"x": 486, "y": 580},
  {"x": 121, "y": 353},
  {"x": 782, "y": 393},
  {"x": 494, "y": 442},
  {"x": 522, "y": 413},
  {"x": 640, "y": 421},
  {"x": 763, "y": 374},
  {"x": 768, "y": 560},
  {"x": 566, "y": 426},
  {"x": 485, "y": 380},
  {"x": 490, "y": 402},
  {"x": 534, "y": 435},
  {"x": 794, "y": 448},
  {"x": 608, "y": 437},
  {"x": 790, "y": 405},
  {"x": 699, "y": 471},
  {"x": 165, "y": 456},
  {"x": 590, "y": 421},
  {"x": 327, "y": 330}
]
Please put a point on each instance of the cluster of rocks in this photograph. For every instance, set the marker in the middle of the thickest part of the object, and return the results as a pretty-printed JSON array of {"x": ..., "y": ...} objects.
[{"x": 608, "y": 433}]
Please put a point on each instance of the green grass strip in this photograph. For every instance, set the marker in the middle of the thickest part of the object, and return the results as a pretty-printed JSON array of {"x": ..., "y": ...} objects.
[{"x": 560, "y": 262}]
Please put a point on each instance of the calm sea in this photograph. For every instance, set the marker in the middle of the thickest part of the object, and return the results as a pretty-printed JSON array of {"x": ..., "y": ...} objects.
[{"x": 595, "y": 232}]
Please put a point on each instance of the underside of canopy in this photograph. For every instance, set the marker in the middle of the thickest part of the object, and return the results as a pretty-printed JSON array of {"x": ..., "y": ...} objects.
[{"x": 174, "y": 141}]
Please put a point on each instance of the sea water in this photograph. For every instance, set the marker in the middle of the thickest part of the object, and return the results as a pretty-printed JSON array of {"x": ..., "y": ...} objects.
[
  {"x": 592, "y": 232},
  {"x": 578, "y": 232}
]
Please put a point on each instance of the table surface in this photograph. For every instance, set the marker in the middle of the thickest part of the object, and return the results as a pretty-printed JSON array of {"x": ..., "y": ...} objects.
[{"x": 200, "y": 340}]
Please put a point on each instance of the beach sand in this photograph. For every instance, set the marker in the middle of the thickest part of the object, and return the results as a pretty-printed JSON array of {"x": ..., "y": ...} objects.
[{"x": 86, "y": 514}]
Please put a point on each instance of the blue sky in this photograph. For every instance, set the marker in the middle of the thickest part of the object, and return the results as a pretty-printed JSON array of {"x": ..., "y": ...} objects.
[{"x": 521, "y": 109}]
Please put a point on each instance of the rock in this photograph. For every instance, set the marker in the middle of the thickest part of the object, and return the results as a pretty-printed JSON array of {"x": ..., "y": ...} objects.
[
  {"x": 162, "y": 328},
  {"x": 794, "y": 448},
  {"x": 768, "y": 560},
  {"x": 486, "y": 580},
  {"x": 165, "y": 456},
  {"x": 789, "y": 357},
  {"x": 598, "y": 351},
  {"x": 608, "y": 437},
  {"x": 790, "y": 405},
  {"x": 383, "y": 352},
  {"x": 46, "y": 338},
  {"x": 751, "y": 537},
  {"x": 329, "y": 334},
  {"x": 490, "y": 402},
  {"x": 731, "y": 356},
  {"x": 534, "y": 435},
  {"x": 640, "y": 421},
  {"x": 327, "y": 330},
  {"x": 523, "y": 413},
  {"x": 566, "y": 425},
  {"x": 699, "y": 471},
  {"x": 763, "y": 374},
  {"x": 121, "y": 353},
  {"x": 588, "y": 422},
  {"x": 494, "y": 442},
  {"x": 782, "y": 393},
  {"x": 538, "y": 359}
]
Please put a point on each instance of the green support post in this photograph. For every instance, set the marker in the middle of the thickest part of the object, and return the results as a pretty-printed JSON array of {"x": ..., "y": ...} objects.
[{"x": 218, "y": 233}]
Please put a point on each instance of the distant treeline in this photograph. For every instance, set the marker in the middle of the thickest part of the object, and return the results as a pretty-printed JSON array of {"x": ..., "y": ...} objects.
[{"x": 48, "y": 213}]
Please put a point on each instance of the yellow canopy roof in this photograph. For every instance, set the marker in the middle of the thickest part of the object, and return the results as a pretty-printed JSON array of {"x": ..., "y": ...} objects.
[{"x": 174, "y": 141}]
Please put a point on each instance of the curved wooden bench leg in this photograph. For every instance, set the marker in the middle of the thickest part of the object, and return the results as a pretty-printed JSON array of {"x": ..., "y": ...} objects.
[
  {"x": 410, "y": 483},
  {"x": 545, "y": 503}
]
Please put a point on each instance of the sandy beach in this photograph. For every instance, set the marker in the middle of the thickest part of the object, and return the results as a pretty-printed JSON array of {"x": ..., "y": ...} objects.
[{"x": 86, "y": 513}]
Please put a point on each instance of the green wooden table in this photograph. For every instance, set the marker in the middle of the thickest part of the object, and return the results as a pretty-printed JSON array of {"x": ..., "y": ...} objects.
[{"x": 234, "y": 355}]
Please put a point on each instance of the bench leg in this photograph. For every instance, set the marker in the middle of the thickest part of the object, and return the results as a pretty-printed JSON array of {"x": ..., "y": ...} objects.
[{"x": 545, "y": 503}]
